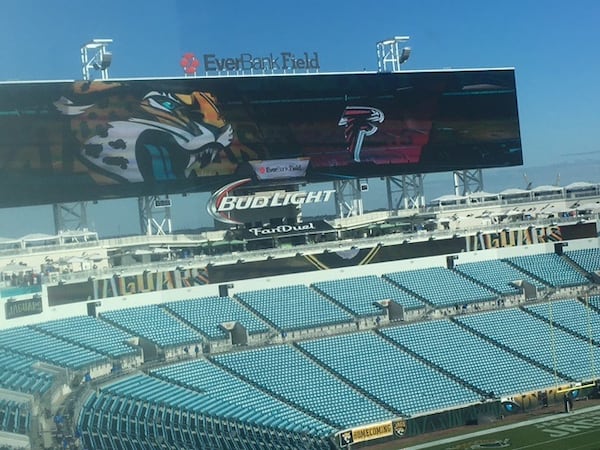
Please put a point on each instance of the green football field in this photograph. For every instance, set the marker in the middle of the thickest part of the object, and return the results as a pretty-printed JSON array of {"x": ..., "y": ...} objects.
[{"x": 575, "y": 431}]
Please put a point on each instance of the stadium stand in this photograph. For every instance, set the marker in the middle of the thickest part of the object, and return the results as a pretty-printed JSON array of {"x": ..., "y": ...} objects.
[
  {"x": 204, "y": 377},
  {"x": 497, "y": 275},
  {"x": 14, "y": 417},
  {"x": 588, "y": 259},
  {"x": 294, "y": 307},
  {"x": 475, "y": 361},
  {"x": 517, "y": 331},
  {"x": 570, "y": 315},
  {"x": 19, "y": 375},
  {"x": 259, "y": 395},
  {"x": 208, "y": 313},
  {"x": 358, "y": 294},
  {"x": 43, "y": 347},
  {"x": 93, "y": 334},
  {"x": 140, "y": 411},
  {"x": 154, "y": 324},
  {"x": 286, "y": 373},
  {"x": 441, "y": 287},
  {"x": 550, "y": 268},
  {"x": 348, "y": 356}
]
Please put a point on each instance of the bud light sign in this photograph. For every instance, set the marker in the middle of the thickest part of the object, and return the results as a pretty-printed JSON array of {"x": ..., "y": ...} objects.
[{"x": 222, "y": 206}]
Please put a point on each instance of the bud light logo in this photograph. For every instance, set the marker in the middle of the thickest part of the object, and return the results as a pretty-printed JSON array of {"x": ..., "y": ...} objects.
[{"x": 223, "y": 203}]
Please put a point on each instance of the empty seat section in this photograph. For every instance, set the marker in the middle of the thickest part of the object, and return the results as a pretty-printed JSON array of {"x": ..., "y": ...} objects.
[
  {"x": 498, "y": 275},
  {"x": 551, "y": 269},
  {"x": 14, "y": 416},
  {"x": 571, "y": 315},
  {"x": 17, "y": 374},
  {"x": 588, "y": 259},
  {"x": 474, "y": 360},
  {"x": 594, "y": 300},
  {"x": 388, "y": 373},
  {"x": 358, "y": 294},
  {"x": 154, "y": 324},
  {"x": 294, "y": 308},
  {"x": 535, "y": 339},
  {"x": 91, "y": 333},
  {"x": 30, "y": 342},
  {"x": 441, "y": 287},
  {"x": 206, "y": 314},
  {"x": 288, "y": 374},
  {"x": 207, "y": 378},
  {"x": 145, "y": 409}
]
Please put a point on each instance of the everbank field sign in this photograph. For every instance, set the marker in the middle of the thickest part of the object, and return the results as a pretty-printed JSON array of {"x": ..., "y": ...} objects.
[
  {"x": 222, "y": 205},
  {"x": 246, "y": 62}
]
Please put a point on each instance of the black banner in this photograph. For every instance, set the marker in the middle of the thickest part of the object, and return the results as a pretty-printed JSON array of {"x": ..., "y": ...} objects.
[
  {"x": 21, "y": 308},
  {"x": 63, "y": 294}
]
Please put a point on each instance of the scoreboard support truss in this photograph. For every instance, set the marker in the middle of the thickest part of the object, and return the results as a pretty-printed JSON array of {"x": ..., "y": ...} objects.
[
  {"x": 155, "y": 215},
  {"x": 70, "y": 216},
  {"x": 405, "y": 192}
]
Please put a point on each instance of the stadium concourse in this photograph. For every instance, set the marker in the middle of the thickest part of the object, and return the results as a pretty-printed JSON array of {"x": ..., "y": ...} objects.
[{"x": 359, "y": 349}]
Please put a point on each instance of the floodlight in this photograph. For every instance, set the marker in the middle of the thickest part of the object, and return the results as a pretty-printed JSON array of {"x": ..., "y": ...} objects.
[
  {"x": 104, "y": 61},
  {"x": 404, "y": 55}
]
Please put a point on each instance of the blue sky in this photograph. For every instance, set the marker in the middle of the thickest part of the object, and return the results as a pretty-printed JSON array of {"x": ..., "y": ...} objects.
[{"x": 553, "y": 46}]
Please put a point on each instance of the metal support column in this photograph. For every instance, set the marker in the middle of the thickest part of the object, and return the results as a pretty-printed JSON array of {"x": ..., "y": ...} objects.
[
  {"x": 468, "y": 181},
  {"x": 155, "y": 215},
  {"x": 405, "y": 192},
  {"x": 70, "y": 216},
  {"x": 348, "y": 198}
]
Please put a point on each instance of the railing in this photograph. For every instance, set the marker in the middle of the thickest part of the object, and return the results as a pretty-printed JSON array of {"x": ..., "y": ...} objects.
[
  {"x": 332, "y": 246},
  {"x": 13, "y": 291}
]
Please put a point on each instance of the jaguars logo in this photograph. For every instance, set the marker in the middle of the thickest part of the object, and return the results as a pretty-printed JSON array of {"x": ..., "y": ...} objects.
[
  {"x": 399, "y": 427},
  {"x": 346, "y": 438},
  {"x": 160, "y": 137}
]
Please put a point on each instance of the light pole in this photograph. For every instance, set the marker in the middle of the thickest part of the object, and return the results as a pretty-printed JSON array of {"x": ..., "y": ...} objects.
[
  {"x": 100, "y": 58},
  {"x": 391, "y": 53}
]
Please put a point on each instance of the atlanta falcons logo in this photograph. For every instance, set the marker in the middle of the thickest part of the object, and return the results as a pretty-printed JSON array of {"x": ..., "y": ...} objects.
[{"x": 360, "y": 121}]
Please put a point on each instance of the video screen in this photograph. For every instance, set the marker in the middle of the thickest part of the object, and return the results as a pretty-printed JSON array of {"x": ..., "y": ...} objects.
[{"x": 75, "y": 141}]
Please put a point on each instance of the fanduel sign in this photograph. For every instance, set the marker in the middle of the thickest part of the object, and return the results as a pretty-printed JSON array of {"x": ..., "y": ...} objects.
[
  {"x": 222, "y": 205},
  {"x": 282, "y": 229},
  {"x": 247, "y": 62},
  {"x": 316, "y": 226}
]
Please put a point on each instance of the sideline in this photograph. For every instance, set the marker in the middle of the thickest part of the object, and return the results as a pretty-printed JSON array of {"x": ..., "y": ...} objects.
[{"x": 499, "y": 429}]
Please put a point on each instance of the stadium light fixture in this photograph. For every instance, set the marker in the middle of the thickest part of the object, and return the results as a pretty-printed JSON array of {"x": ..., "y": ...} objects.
[
  {"x": 404, "y": 55},
  {"x": 95, "y": 56},
  {"x": 391, "y": 53}
]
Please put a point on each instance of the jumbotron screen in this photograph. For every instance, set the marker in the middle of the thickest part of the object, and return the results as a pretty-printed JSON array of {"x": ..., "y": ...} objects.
[{"x": 82, "y": 140}]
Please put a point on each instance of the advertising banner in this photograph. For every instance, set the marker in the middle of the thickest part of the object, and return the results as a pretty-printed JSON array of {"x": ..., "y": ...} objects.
[
  {"x": 304, "y": 228},
  {"x": 366, "y": 433}
]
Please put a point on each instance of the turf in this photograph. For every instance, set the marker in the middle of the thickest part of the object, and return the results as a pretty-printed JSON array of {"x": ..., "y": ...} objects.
[{"x": 563, "y": 432}]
